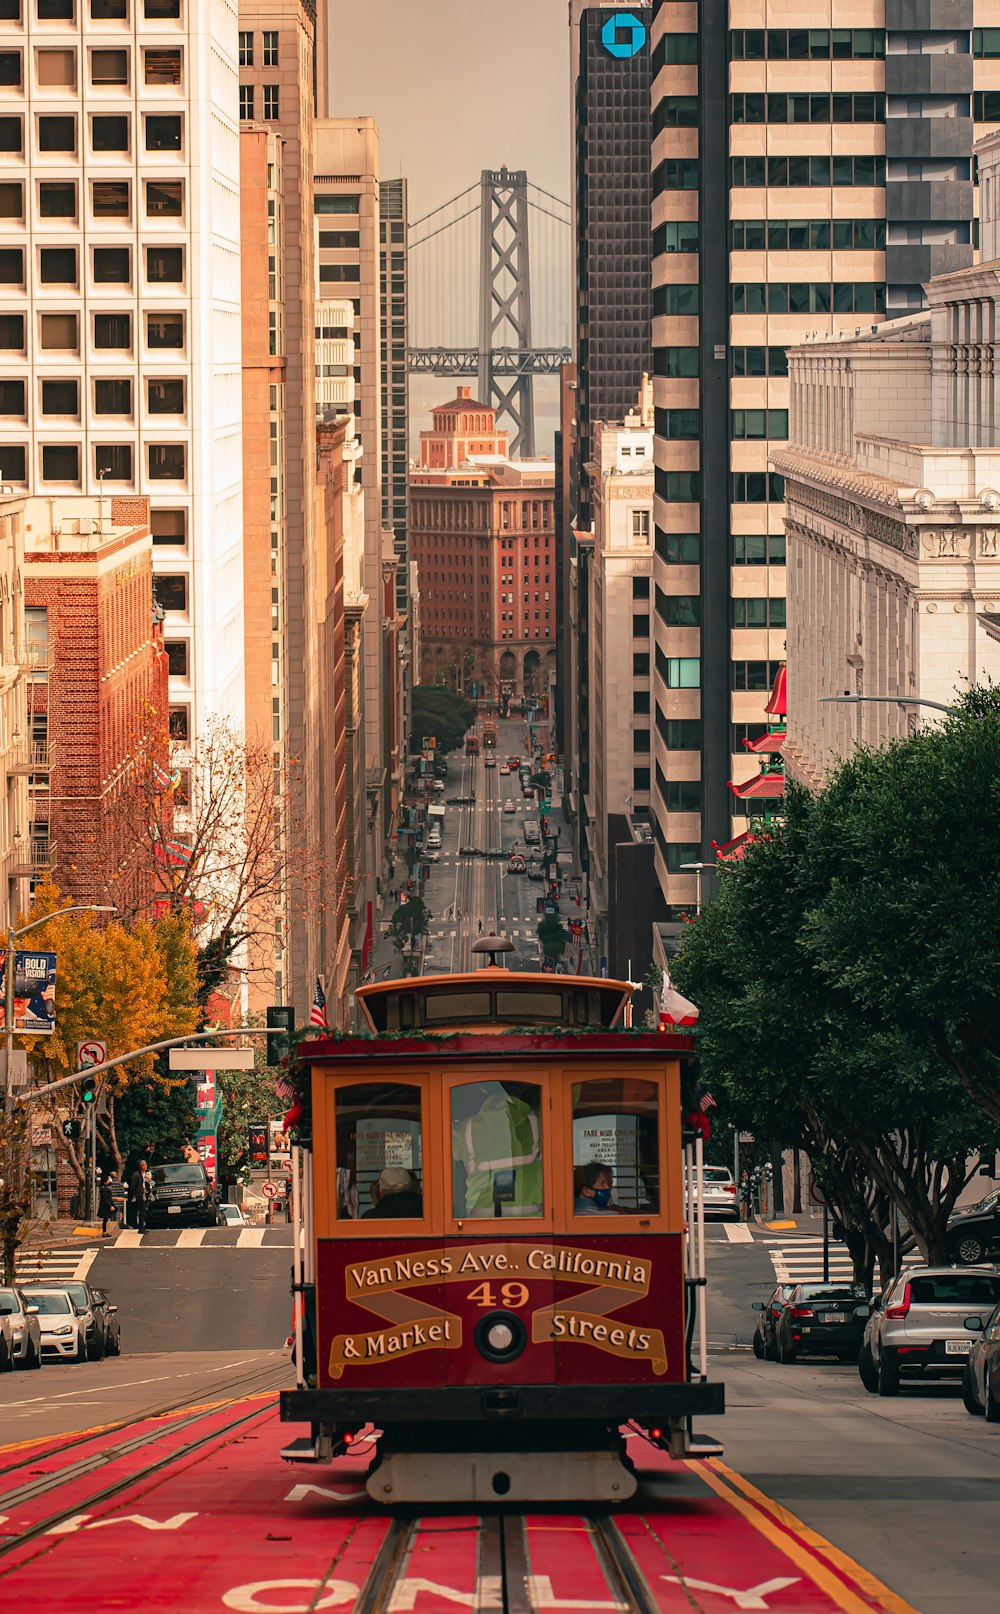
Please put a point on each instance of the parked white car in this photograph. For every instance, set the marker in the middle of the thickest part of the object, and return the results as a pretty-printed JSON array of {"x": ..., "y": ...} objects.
[
  {"x": 62, "y": 1325},
  {"x": 231, "y": 1216},
  {"x": 22, "y": 1329},
  {"x": 721, "y": 1198}
]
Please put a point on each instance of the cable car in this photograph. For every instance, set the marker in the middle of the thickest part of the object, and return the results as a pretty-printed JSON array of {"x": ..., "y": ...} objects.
[{"x": 502, "y": 1243}]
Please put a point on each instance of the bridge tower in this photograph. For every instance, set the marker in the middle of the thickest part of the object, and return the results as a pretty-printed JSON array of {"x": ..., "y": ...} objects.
[{"x": 505, "y": 304}]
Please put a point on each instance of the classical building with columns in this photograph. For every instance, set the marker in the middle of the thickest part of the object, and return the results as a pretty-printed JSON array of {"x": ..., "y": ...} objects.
[{"x": 892, "y": 512}]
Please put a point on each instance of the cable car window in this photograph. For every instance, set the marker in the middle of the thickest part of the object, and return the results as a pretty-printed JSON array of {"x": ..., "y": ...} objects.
[
  {"x": 496, "y": 1149},
  {"x": 530, "y": 1006},
  {"x": 379, "y": 1152},
  {"x": 457, "y": 1006},
  {"x": 616, "y": 1153}
]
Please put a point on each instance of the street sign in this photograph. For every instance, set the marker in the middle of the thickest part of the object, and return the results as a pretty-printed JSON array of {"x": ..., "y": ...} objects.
[
  {"x": 91, "y": 1054},
  {"x": 211, "y": 1058},
  {"x": 270, "y": 1190},
  {"x": 816, "y": 1194}
]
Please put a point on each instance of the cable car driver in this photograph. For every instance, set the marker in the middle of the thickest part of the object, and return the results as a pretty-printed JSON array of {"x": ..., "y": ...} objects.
[{"x": 497, "y": 1150}]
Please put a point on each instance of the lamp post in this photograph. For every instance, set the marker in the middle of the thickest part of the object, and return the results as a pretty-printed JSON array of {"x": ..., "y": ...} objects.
[
  {"x": 847, "y": 699},
  {"x": 699, "y": 869}
]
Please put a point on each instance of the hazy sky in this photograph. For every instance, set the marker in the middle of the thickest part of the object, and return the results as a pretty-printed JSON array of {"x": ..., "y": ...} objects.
[{"x": 457, "y": 86}]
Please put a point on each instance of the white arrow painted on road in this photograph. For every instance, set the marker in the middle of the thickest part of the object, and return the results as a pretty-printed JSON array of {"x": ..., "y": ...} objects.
[
  {"x": 753, "y": 1600},
  {"x": 299, "y": 1493},
  {"x": 78, "y": 1521}
]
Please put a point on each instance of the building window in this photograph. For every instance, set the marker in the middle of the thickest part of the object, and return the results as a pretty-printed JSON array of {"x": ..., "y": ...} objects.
[
  {"x": 171, "y": 592},
  {"x": 680, "y": 672},
  {"x": 109, "y": 131},
  {"x": 11, "y": 69},
  {"x": 166, "y": 397},
  {"x": 161, "y": 10},
  {"x": 11, "y": 195},
  {"x": 177, "y": 657},
  {"x": 113, "y": 331},
  {"x": 339, "y": 240},
  {"x": 109, "y": 10},
  {"x": 59, "y": 332},
  {"x": 270, "y": 100},
  {"x": 162, "y": 66},
  {"x": 324, "y": 203},
  {"x": 246, "y": 101},
  {"x": 57, "y": 134},
  {"x": 61, "y": 398},
  {"x": 113, "y": 396},
  {"x": 166, "y": 462},
  {"x": 754, "y": 675},
  {"x": 109, "y": 67},
  {"x": 13, "y": 463},
  {"x": 759, "y": 549},
  {"x": 54, "y": 10},
  {"x": 109, "y": 198},
  {"x": 774, "y": 172},
  {"x": 757, "y": 361},
  {"x": 339, "y": 272},
  {"x": 676, "y": 298},
  {"x": 678, "y": 487},
  {"x": 57, "y": 266},
  {"x": 12, "y": 333},
  {"x": 678, "y": 610},
  {"x": 60, "y": 462},
  {"x": 677, "y": 235},
  {"x": 270, "y": 43},
  {"x": 759, "y": 423},
  {"x": 165, "y": 330},
  {"x": 757, "y": 487},
  {"x": 179, "y": 722},
  {"x": 12, "y": 266},
  {"x": 12, "y": 398},
  {"x": 163, "y": 131},
  {"x": 681, "y": 852},
  {"x": 113, "y": 461},
  {"x": 640, "y": 627},
  {"x": 164, "y": 264},
  {"x": 169, "y": 527},
  {"x": 56, "y": 69},
  {"x": 759, "y": 613},
  {"x": 57, "y": 199},
  {"x": 112, "y": 265},
  {"x": 165, "y": 199},
  {"x": 246, "y": 48},
  {"x": 683, "y": 796}
]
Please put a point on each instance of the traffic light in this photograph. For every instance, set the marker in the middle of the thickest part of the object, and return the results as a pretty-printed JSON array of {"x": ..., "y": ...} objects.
[
  {"x": 72, "y": 1130},
  {"x": 280, "y": 1024},
  {"x": 88, "y": 1087}
]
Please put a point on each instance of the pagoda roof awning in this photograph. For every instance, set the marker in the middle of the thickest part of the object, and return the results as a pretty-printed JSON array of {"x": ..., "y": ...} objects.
[
  {"x": 762, "y": 787},
  {"x": 730, "y": 851},
  {"x": 777, "y": 706},
  {"x": 767, "y": 744}
]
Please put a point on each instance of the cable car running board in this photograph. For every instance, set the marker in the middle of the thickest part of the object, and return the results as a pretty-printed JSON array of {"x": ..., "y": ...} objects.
[{"x": 499, "y": 1476}]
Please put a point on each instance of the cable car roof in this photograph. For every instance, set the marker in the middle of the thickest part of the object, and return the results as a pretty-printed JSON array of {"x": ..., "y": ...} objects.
[{"x": 491, "y": 998}]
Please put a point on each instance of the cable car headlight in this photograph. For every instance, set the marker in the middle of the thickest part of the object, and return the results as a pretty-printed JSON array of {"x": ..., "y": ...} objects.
[{"x": 500, "y": 1337}]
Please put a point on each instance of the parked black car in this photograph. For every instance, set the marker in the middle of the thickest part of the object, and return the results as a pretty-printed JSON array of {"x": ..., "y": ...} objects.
[
  {"x": 981, "y": 1379},
  {"x": 822, "y": 1319},
  {"x": 181, "y": 1192},
  {"x": 764, "y": 1343},
  {"x": 112, "y": 1326},
  {"x": 974, "y": 1233}
]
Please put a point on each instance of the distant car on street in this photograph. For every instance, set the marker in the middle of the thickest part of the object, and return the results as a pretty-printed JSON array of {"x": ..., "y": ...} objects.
[
  {"x": 974, "y": 1232},
  {"x": 981, "y": 1379},
  {"x": 768, "y": 1311},
  {"x": 822, "y": 1319},
  {"x": 491, "y": 762},
  {"x": 21, "y": 1328},
  {"x": 918, "y": 1327},
  {"x": 721, "y": 1198},
  {"x": 182, "y": 1191},
  {"x": 504, "y": 768},
  {"x": 509, "y": 807},
  {"x": 438, "y": 787},
  {"x": 63, "y": 1326},
  {"x": 231, "y": 1216}
]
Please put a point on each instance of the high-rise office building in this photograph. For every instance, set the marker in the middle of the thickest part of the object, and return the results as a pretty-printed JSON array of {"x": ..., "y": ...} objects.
[
  {"x": 394, "y": 280},
  {"x": 119, "y": 273},
  {"x": 805, "y": 179}
]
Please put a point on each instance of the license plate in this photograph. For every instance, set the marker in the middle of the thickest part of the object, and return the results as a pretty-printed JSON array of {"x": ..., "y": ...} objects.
[
  {"x": 173, "y": 1210},
  {"x": 957, "y": 1347},
  {"x": 832, "y": 1317}
]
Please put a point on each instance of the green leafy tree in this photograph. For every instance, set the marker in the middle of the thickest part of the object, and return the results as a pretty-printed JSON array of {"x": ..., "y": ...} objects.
[
  {"x": 410, "y": 921},
  {"x": 442, "y": 713},
  {"x": 553, "y": 935}
]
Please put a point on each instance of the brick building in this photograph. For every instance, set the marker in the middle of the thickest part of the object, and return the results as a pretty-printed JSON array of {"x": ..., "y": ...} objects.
[
  {"x": 483, "y": 541},
  {"x": 97, "y": 690}
]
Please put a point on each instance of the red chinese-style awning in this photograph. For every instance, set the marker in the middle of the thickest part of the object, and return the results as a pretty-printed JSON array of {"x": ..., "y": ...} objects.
[
  {"x": 777, "y": 705},
  {"x": 767, "y": 744},
  {"x": 732, "y": 850},
  {"x": 763, "y": 787}
]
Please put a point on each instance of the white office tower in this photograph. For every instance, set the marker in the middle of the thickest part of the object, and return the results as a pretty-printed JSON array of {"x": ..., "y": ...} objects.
[{"x": 120, "y": 296}]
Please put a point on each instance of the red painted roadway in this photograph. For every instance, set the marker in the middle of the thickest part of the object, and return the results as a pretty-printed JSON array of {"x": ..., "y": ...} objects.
[{"x": 231, "y": 1527}]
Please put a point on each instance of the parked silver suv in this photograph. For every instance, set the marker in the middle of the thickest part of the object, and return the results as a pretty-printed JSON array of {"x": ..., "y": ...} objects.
[{"x": 917, "y": 1330}]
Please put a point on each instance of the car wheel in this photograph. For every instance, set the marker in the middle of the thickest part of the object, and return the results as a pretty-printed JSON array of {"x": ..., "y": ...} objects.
[
  {"x": 36, "y": 1360},
  {"x": 758, "y": 1345},
  {"x": 888, "y": 1374},
  {"x": 115, "y": 1348},
  {"x": 992, "y": 1408},
  {"x": 969, "y": 1250},
  {"x": 771, "y": 1349},
  {"x": 970, "y": 1399},
  {"x": 786, "y": 1355},
  {"x": 866, "y": 1369}
]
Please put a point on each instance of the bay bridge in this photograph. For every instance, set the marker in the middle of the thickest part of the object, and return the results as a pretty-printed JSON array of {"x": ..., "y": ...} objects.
[{"x": 490, "y": 294}]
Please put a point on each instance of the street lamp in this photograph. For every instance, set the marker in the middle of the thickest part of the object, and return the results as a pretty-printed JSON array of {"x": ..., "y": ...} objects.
[
  {"x": 699, "y": 869},
  {"x": 847, "y": 699},
  {"x": 10, "y": 970}
]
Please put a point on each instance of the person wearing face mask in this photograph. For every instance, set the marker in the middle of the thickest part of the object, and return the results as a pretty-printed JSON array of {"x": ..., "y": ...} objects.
[{"x": 594, "y": 1198}]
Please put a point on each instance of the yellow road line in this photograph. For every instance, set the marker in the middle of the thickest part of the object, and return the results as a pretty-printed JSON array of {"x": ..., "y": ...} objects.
[
  {"x": 141, "y": 1417},
  {"x": 800, "y": 1542}
]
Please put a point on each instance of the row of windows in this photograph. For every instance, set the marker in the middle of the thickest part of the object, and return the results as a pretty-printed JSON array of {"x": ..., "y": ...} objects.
[
  {"x": 59, "y": 266},
  {"x": 60, "y": 333},
  {"x": 100, "y": 10},
  {"x": 60, "y": 462},
  {"x": 808, "y": 235},
  {"x": 808, "y": 297},
  {"x": 684, "y": 611},
  {"x": 744, "y": 424},
  {"x": 56, "y": 68},
  {"x": 986, "y": 106},
  {"x": 61, "y": 397},
  {"x": 794, "y": 171},
  {"x": 677, "y": 298},
  {"x": 986, "y": 41},
  {"x": 745, "y": 487},
  {"x": 679, "y": 363},
  {"x": 323, "y": 202},
  {"x": 269, "y": 39},
  {"x": 109, "y": 199},
  {"x": 842, "y": 107},
  {"x": 677, "y": 235},
  {"x": 270, "y": 101},
  {"x": 109, "y": 131},
  {"x": 748, "y": 549},
  {"x": 806, "y": 44}
]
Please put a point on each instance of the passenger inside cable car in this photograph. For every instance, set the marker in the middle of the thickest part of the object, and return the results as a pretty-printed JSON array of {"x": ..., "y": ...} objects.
[
  {"x": 379, "y": 1152},
  {"x": 394, "y": 1194},
  {"x": 496, "y": 1136},
  {"x": 595, "y": 1191}
]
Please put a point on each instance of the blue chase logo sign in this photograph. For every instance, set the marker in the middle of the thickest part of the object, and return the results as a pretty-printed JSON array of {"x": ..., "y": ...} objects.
[{"x": 623, "y": 35}]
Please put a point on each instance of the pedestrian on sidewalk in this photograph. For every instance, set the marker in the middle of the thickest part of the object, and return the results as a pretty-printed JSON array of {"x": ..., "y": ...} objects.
[
  {"x": 105, "y": 1204},
  {"x": 138, "y": 1193}
]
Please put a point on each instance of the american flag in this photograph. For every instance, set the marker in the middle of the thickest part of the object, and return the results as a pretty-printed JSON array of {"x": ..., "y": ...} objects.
[
  {"x": 706, "y": 1103},
  {"x": 317, "y": 1015}
]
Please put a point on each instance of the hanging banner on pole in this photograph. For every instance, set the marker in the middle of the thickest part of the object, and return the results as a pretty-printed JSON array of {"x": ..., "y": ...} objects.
[{"x": 34, "y": 993}]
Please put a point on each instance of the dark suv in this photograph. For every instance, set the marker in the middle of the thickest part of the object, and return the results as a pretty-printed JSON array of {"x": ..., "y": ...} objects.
[
  {"x": 974, "y": 1234},
  {"x": 181, "y": 1193}
]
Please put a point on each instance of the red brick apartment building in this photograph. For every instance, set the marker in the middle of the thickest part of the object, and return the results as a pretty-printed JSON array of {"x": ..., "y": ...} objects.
[
  {"x": 97, "y": 691},
  {"x": 483, "y": 538}
]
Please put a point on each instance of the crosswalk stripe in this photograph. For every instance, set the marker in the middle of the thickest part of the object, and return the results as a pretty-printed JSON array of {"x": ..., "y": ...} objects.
[
  {"x": 802, "y": 1262},
  {"x": 58, "y": 1265}
]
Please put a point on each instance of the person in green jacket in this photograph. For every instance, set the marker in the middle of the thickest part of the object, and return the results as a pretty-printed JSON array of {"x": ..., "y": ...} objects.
[{"x": 497, "y": 1143}]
